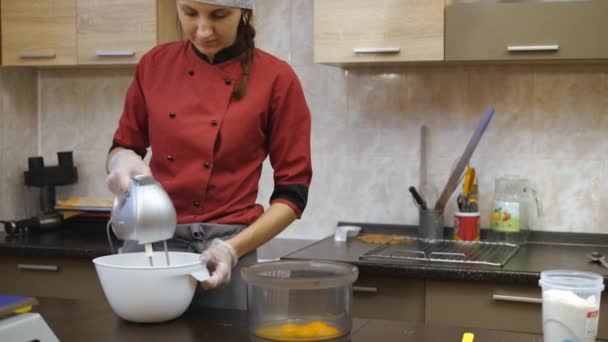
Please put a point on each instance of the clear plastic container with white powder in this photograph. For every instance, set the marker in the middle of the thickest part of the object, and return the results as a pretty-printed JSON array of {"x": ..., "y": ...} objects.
[{"x": 571, "y": 305}]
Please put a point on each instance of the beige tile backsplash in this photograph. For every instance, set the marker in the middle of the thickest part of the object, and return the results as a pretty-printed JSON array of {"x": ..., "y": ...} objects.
[
  {"x": 18, "y": 139},
  {"x": 79, "y": 111},
  {"x": 551, "y": 125}
]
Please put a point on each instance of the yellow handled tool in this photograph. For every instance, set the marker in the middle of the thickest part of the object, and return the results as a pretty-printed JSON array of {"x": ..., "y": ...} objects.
[
  {"x": 469, "y": 178},
  {"x": 468, "y": 337}
]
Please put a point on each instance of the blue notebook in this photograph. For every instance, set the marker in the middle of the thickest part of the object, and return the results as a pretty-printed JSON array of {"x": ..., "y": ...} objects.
[{"x": 11, "y": 304}]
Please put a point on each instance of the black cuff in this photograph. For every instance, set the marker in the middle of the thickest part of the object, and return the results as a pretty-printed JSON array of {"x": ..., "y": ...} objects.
[
  {"x": 294, "y": 193},
  {"x": 141, "y": 153}
]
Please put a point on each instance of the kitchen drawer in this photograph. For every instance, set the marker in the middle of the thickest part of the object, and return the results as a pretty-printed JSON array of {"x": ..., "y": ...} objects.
[
  {"x": 391, "y": 298},
  {"x": 531, "y": 30},
  {"x": 53, "y": 277},
  {"x": 474, "y": 305},
  {"x": 492, "y": 306}
]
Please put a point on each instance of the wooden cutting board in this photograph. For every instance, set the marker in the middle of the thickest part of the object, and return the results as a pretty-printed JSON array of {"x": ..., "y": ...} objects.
[{"x": 379, "y": 239}]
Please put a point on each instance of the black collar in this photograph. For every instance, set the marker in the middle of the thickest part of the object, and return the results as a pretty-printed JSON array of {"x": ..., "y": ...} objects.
[{"x": 222, "y": 56}]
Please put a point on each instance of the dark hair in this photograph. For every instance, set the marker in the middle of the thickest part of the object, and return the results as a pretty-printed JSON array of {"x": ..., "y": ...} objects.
[{"x": 245, "y": 39}]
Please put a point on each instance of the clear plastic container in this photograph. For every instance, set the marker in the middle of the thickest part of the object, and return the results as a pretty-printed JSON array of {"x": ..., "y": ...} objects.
[
  {"x": 299, "y": 300},
  {"x": 571, "y": 305}
]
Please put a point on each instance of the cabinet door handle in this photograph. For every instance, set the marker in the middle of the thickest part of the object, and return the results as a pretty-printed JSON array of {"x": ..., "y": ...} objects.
[
  {"x": 115, "y": 54},
  {"x": 386, "y": 50},
  {"x": 41, "y": 55},
  {"x": 517, "y": 299},
  {"x": 365, "y": 289},
  {"x": 532, "y": 48},
  {"x": 30, "y": 267}
]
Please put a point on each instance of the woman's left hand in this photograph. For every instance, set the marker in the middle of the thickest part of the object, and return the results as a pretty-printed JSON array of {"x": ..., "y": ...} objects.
[{"x": 219, "y": 258}]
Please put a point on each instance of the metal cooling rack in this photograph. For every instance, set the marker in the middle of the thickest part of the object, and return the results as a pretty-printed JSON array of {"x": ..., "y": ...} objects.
[{"x": 447, "y": 251}]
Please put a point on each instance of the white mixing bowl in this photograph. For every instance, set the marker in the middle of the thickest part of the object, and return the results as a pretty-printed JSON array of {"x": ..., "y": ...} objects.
[{"x": 140, "y": 293}]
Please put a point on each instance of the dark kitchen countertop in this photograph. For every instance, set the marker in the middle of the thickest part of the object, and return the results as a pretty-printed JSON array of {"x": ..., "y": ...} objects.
[
  {"x": 80, "y": 237},
  {"x": 564, "y": 251},
  {"x": 74, "y": 320},
  {"x": 86, "y": 238}
]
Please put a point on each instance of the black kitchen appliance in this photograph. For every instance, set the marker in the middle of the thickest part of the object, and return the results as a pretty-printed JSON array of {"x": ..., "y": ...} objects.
[{"x": 46, "y": 178}]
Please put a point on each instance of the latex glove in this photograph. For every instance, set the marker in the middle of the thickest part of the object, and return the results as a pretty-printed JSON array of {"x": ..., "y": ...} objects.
[
  {"x": 220, "y": 257},
  {"x": 123, "y": 165}
]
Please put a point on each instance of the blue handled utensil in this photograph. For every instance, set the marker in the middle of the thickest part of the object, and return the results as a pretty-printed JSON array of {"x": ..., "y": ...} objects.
[{"x": 464, "y": 159}]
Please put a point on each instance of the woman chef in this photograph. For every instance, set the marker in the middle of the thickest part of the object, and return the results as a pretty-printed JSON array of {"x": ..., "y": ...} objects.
[{"x": 212, "y": 108}]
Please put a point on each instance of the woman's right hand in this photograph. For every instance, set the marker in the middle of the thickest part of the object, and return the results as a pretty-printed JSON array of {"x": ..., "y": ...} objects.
[{"x": 122, "y": 165}]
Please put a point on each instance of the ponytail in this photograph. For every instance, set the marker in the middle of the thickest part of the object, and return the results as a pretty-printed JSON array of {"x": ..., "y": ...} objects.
[{"x": 245, "y": 38}]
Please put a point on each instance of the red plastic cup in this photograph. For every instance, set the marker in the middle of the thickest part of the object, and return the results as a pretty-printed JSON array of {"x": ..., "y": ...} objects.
[{"x": 466, "y": 226}]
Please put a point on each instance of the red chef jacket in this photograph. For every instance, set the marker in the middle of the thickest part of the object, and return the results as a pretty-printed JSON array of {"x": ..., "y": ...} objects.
[{"x": 208, "y": 150}]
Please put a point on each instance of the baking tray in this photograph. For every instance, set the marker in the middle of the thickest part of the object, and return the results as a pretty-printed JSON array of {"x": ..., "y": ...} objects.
[{"x": 95, "y": 204}]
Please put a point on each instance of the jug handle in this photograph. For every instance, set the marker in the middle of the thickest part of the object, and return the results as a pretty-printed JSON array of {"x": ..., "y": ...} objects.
[{"x": 539, "y": 207}]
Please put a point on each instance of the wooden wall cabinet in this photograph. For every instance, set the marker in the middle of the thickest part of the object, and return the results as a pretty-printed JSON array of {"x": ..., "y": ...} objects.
[
  {"x": 350, "y": 32},
  {"x": 38, "y": 32},
  {"x": 115, "y": 31},
  {"x": 531, "y": 30},
  {"x": 84, "y": 32}
]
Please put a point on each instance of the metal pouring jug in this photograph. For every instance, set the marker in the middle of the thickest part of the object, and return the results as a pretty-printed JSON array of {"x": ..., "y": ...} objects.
[{"x": 146, "y": 214}]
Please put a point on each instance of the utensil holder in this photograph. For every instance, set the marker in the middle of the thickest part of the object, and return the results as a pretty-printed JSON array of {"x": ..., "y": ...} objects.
[{"x": 431, "y": 224}]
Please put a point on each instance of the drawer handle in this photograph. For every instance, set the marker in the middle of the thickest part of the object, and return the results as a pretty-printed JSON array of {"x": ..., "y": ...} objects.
[
  {"x": 533, "y": 48},
  {"x": 517, "y": 299},
  {"x": 386, "y": 50},
  {"x": 365, "y": 289},
  {"x": 41, "y": 55},
  {"x": 30, "y": 267},
  {"x": 115, "y": 54}
]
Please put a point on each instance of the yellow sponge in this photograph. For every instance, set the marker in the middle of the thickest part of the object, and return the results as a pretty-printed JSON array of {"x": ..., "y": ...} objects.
[{"x": 468, "y": 337}]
